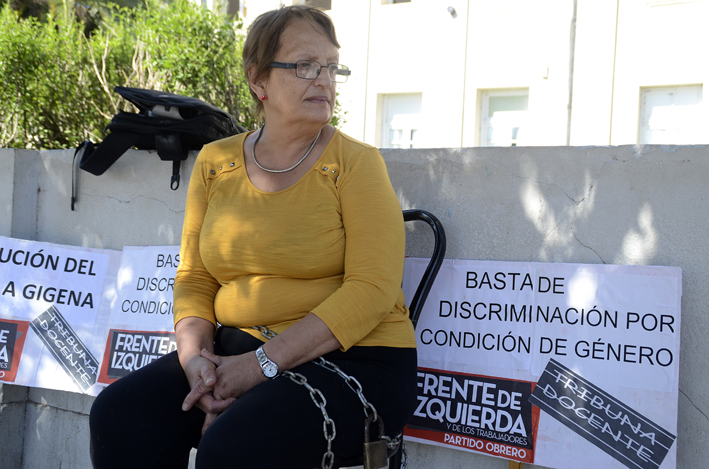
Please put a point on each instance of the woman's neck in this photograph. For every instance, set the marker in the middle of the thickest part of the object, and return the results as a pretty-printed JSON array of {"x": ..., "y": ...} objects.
[
  {"x": 282, "y": 147},
  {"x": 279, "y": 152}
]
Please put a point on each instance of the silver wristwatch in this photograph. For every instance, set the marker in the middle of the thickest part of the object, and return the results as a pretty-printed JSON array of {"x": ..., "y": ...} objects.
[{"x": 268, "y": 368}]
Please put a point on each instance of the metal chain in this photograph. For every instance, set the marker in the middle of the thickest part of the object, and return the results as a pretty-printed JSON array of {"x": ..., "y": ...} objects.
[
  {"x": 355, "y": 386},
  {"x": 328, "y": 424},
  {"x": 266, "y": 332},
  {"x": 352, "y": 383}
]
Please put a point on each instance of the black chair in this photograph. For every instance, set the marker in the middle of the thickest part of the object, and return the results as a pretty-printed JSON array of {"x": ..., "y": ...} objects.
[
  {"x": 439, "y": 252},
  {"x": 419, "y": 299}
]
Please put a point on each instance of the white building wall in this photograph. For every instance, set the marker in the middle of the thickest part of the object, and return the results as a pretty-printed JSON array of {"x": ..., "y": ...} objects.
[
  {"x": 593, "y": 72},
  {"x": 352, "y": 22},
  {"x": 514, "y": 44},
  {"x": 614, "y": 48},
  {"x": 659, "y": 44}
]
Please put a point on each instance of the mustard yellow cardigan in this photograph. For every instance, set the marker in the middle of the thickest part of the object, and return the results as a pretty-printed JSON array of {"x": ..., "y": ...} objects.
[{"x": 331, "y": 244}]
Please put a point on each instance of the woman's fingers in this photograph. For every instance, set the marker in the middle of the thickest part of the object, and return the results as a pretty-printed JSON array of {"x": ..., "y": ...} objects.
[
  {"x": 202, "y": 390},
  {"x": 212, "y": 408},
  {"x": 216, "y": 359},
  {"x": 208, "y": 419},
  {"x": 206, "y": 370},
  {"x": 198, "y": 391},
  {"x": 201, "y": 396},
  {"x": 209, "y": 404},
  {"x": 221, "y": 377}
]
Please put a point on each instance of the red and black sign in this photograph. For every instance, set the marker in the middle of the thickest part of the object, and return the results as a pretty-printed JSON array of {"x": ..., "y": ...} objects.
[
  {"x": 479, "y": 413},
  {"x": 128, "y": 351},
  {"x": 12, "y": 340}
]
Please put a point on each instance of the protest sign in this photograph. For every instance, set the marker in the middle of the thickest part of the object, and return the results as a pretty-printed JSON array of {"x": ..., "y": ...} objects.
[
  {"x": 516, "y": 360},
  {"x": 487, "y": 323},
  {"x": 76, "y": 318},
  {"x": 601, "y": 419},
  {"x": 12, "y": 341},
  {"x": 66, "y": 347},
  {"x": 144, "y": 287},
  {"x": 54, "y": 308},
  {"x": 480, "y": 413},
  {"x": 141, "y": 324},
  {"x": 128, "y": 351}
]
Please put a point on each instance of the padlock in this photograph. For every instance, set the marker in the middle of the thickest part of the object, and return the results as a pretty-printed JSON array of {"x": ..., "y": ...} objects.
[{"x": 375, "y": 452}]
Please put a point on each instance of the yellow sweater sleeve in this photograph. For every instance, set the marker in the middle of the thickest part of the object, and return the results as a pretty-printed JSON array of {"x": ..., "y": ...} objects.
[
  {"x": 195, "y": 288},
  {"x": 374, "y": 251}
]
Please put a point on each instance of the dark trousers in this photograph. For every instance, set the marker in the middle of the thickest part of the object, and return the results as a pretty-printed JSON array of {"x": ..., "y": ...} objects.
[{"x": 137, "y": 422}]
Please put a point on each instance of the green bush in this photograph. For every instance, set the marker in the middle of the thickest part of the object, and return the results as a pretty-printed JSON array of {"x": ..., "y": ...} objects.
[{"x": 56, "y": 81}]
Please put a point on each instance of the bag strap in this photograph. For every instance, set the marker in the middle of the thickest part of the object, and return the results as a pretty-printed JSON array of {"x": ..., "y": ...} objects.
[
  {"x": 88, "y": 147},
  {"x": 169, "y": 147},
  {"x": 108, "y": 152},
  {"x": 96, "y": 160}
]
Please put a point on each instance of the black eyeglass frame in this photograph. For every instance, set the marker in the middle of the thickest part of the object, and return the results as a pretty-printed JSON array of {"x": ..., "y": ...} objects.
[{"x": 345, "y": 72}]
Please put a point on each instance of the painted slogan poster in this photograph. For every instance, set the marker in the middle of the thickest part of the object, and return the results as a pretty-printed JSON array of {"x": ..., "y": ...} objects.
[
  {"x": 76, "y": 319},
  {"x": 141, "y": 324},
  {"x": 560, "y": 365},
  {"x": 54, "y": 303}
]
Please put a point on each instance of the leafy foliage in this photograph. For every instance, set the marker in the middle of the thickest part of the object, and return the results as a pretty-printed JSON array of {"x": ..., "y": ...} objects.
[
  {"x": 58, "y": 68},
  {"x": 57, "y": 76},
  {"x": 339, "y": 114}
]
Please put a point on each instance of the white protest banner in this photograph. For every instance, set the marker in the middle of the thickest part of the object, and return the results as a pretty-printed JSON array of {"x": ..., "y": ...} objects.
[
  {"x": 54, "y": 308},
  {"x": 141, "y": 324},
  {"x": 145, "y": 283},
  {"x": 527, "y": 360}
]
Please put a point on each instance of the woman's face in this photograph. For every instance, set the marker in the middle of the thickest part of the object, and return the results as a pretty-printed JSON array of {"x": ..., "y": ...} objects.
[{"x": 296, "y": 99}]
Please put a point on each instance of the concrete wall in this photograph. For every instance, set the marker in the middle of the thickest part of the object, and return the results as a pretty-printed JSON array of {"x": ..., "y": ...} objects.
[{"x": 615, "y": 205}]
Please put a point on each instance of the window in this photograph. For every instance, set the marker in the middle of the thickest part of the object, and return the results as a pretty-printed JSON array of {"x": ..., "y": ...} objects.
[
  {"x": 401, "y": 115},
  {"x": 503, "y": 117},
  {"x": 672, "y": 115}
]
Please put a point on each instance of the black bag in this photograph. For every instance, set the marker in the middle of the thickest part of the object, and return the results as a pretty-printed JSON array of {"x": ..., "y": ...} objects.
[{"x": 169, "y": 123}]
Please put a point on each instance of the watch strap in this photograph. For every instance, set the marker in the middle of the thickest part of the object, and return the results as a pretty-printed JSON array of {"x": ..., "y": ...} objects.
[{"x": 268, "y": 367}]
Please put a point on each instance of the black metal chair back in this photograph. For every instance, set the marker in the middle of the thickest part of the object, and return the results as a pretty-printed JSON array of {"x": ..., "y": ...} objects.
[{"x": 434, "y": 265}]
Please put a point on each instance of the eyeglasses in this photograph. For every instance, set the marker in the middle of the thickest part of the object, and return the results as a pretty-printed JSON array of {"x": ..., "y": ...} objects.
[{"x": 310, "y": 70}]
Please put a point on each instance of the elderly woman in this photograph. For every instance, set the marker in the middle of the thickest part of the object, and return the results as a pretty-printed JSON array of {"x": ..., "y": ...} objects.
[{"x": 292, "y": 233}]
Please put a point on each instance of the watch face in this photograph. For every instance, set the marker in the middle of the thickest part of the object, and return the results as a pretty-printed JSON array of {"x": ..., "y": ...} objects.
[{"x": 270, "y": 370}]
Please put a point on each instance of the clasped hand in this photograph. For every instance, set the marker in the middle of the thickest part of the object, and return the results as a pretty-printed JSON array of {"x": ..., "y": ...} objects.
[{"x": 216, "y": 382}]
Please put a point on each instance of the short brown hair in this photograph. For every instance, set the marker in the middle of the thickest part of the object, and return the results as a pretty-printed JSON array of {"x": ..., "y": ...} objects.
[{"x": 264, "y": 38}]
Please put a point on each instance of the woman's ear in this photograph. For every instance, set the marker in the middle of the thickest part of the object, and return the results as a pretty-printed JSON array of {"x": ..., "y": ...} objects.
[{"x": 258, "y": 86}]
